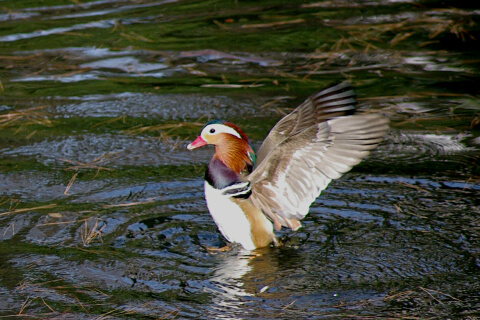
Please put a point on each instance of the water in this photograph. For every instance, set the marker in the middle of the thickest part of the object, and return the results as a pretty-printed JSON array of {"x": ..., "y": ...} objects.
[{"x": 101, "y": 206}]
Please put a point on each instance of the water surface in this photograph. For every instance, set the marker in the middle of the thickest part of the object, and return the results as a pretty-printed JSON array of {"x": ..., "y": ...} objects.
[{"x": 102, "y": 212}]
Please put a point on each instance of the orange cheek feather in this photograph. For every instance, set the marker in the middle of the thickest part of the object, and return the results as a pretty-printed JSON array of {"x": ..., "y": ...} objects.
[{"x": 233, "y": 152}]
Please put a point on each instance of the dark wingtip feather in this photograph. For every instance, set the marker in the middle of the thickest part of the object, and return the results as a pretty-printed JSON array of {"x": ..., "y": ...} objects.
[{"x": 334, "y": 101}]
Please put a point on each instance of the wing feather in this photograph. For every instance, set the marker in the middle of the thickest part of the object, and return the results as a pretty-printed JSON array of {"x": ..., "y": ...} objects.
[
  {"x": 317, "y": 142},
  {"x": 340, "y": 99}
]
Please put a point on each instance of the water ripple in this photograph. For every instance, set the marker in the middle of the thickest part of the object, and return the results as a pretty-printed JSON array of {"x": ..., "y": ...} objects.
[{"x": 102, "y": 24}]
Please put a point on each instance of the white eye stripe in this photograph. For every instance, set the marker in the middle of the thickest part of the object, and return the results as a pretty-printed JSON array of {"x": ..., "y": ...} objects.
[{"x": 220, "y": 128}]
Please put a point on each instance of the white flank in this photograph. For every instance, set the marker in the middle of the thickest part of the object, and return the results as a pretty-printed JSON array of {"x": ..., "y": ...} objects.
[{"x": 229, "y": 217}]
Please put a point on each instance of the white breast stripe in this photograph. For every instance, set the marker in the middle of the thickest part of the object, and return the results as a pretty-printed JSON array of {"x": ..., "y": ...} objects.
[{"x": 237, "y": 189}]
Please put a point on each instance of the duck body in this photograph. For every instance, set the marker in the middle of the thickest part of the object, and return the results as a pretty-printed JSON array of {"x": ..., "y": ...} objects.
[
  {"x": 239, "y": 220},
  {"x": 227, "y": 196},
  {"x": 249, "y": 195}
]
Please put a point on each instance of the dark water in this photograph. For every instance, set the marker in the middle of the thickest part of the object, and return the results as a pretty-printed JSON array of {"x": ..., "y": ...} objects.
[{"x": 101, "y": 206}]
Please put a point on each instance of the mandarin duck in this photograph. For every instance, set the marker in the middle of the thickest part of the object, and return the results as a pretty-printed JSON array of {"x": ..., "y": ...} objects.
[{"x": 250, "y": 194}]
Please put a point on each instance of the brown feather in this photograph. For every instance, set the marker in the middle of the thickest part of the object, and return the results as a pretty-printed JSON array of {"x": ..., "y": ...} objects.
[
  {"x": 317, "y": 142},
  {"x": 233, "y": 152},
  {"x": 261, "y": 235}
]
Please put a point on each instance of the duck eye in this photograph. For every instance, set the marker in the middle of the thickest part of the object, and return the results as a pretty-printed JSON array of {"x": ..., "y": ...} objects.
[{"x": 212, "y": 130}]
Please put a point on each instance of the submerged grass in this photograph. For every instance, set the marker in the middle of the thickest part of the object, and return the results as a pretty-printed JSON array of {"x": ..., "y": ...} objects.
[
  {"x": 25, "y": 117},
  {"x": 166, "y": 128},
  {"x": 13, "y": 208},
  {"x": 79, "y": 301},
  {"x": 91, "y": 232}
]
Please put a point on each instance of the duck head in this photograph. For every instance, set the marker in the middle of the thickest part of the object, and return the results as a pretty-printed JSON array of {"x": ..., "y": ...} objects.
[{"x": 231, "y": 145}]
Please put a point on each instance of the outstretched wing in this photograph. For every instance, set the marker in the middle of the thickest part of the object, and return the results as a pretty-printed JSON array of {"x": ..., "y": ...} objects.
[
  {"x": 317, "y": 142},
  {"x": 335, "y": 101}
]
